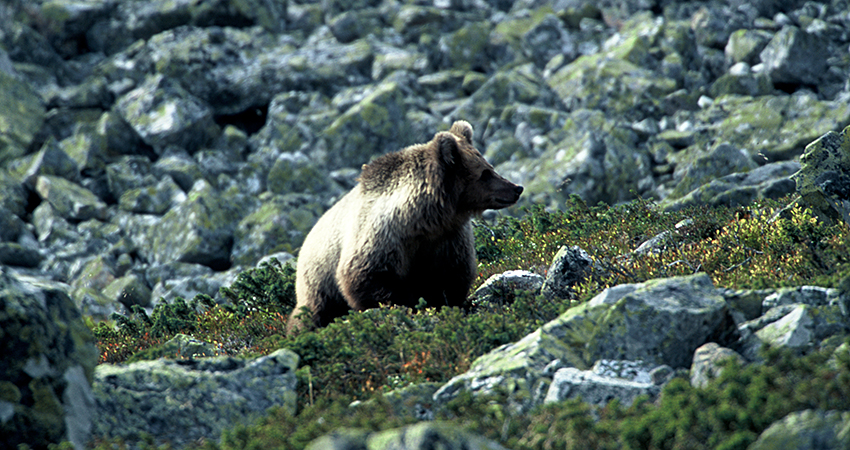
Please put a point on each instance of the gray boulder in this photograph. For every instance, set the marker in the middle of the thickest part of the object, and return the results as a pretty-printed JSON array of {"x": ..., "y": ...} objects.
[
  {"x": 70, "y": 200},
  {"x": 660, "y": 322},
  {"x": 570, "y": 266},
  {"x": 199, "y": 230},
  {"x": 707, "y": 363},
  {"x": 806, "y": 430},
  {"x": 795, "y": 56},
  {"x": 740, "y": 188},
  {"x": 823, "y": 181},
  {"x": 601, "y": 384},
  {"x": 22, "y": 115},
  {"x": 182, "y": 401},
  {"x": 422, "y": 436},
  {"x": 500, "y": 288},
  {"x": 46, "y": 368},
  {"x": 163, "y": 113}
]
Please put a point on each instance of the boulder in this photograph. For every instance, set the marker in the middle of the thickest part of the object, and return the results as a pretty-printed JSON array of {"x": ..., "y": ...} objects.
[
  {"x": 795, "y": 56},
  {"x": 422, "y": 436},
  {"x": 70, "y": 200},
  {"x": 501, "y": 288},
  {"x": 806, "y": 430},
  {"x": 182, "y": 401},
  {"x": 163, "y": 113},
  {"x": 46, "y": 368},
  {"x": 570, "y": 266},
  {"x": 823, "y": 181},
  {"x": 707, "y": 364},
  {"x": 21, "y": 116},
  {"x": 660, "y": 322},
  {"x": 740, "y": 188},
  {"x": 601, "y": 384}
]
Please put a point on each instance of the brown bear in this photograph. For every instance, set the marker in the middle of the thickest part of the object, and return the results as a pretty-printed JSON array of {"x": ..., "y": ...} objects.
[{"x": 403, "y": 232}]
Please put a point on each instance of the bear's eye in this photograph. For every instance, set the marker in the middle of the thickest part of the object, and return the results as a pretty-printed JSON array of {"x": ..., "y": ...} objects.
[{"x": 486, "y": 175}]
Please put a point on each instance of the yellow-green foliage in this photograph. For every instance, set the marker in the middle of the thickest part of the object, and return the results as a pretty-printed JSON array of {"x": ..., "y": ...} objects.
[{"x": 744, "y": 247}]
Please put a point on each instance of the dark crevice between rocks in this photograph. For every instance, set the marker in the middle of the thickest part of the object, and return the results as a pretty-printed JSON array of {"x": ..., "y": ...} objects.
[
  {"x": 250, "y": 120},
  {"x": 790, "y": 88}
]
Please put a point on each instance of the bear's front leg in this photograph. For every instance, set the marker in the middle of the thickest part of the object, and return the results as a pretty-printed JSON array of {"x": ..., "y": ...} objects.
[{"x": 370, "y": 278}]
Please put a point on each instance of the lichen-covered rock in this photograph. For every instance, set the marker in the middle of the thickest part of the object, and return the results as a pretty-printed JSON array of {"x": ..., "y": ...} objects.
[
  {"x": 422, "y": 436},
  {"x": 153, "y": 199},
  {"x": 823, "y": 181},
  {"x": 70, "y": 200},
  {"x": 599, "y": 386},
  {"x": 570, "y": 266},
  {"x": 128, "y": 290},
  {"x": 199, "y": 230},
  {"x": 501, "y": 287},
  {"x": 163, "y": 113},
  {"x": 803, "y": 327},
  {"x": 707, "y": 363},
  {"x": 742, "y": 188},
  {"x": 52, "y": 160},
  {"x": 659, "y": 322},
  {"x": 777, "y": 127},
  {"x": 279, "y": 224},
  {"x": 373, "y": 126},
  {"x": 21, "y": 116},
  {"x": 181, "y": 401},
  {"x": 806, "y": 430},
  {"x": 47, "y": 359},
  {"x": 795, "y": 56},
  {"x": 184, "y": 346},
  {"x": 744, "y": 45}
]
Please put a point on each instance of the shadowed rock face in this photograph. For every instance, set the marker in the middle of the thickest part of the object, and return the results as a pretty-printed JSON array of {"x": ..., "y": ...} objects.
[
  {"x": 47, "y": 358},
  {"x": 824, "y": 178}
]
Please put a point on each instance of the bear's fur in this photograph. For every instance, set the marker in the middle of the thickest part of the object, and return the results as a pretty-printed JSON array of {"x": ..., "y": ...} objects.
[{"x": 403, "y": 232}]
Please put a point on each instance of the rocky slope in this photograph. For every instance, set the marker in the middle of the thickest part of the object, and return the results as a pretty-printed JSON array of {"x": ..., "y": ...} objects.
[{"x": 154, "y": 149}]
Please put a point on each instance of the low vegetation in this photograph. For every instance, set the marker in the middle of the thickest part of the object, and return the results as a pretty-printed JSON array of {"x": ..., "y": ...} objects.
[{"x": 365, "y": 354}]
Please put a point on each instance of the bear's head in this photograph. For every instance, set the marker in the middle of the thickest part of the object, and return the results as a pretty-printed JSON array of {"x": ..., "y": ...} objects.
[{"x": 471, "y": 178}]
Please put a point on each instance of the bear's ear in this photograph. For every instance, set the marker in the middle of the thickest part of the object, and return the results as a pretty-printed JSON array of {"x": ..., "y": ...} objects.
[
  {"x": 447, "y": 148},
  {"x": 462, "y": 129}
]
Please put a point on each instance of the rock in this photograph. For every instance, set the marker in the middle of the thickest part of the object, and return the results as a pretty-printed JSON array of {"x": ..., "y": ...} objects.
[
  {"x": 422, "y": 436},
  {"x": 804, "y": 430},
  {"x": 69, "y": 200},
  {"x": 707, "y": 364},
  {"x": 155, "y": 199},
  {"x": 601, "y": 385},
  {"x": 745, "y": 46},
  {"x": 199, "y": 230},
  {"x": 21, "y": 115},
  {"x": 794, "y": 56},
  {"x": 15, "y": 254},
  {"x": 803, "y": 327},
  {"x": 625, "y": 322},
  {"x": 823, "y": 181},
  {"x": 48, "y": 359},
  {"x": 182, "y": 401},
  {"x": 767, "y": 181},
  {"x": 52, "y": 160},
  {"x": 570, "y": 266},
  {"x": 500, "y": 288},
  {"x": 721, "y": 160},
  {"x": 280, "y": 223},
  {"x": 546, "y": 40},
  {"x": 163, "y": 113},
  {"x": 186, "y": 347},
  {"x": 374, "y": 125},
  {"x": 128, "y": 290}
]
